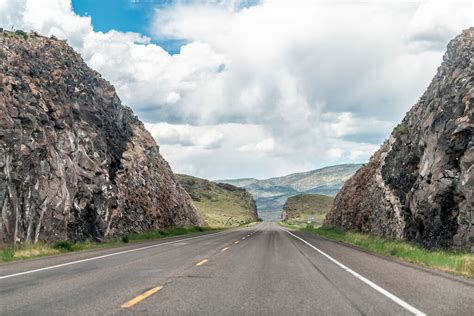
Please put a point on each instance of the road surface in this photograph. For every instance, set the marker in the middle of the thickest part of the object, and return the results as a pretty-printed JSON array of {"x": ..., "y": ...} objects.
[{"x": 262, "y": 270}]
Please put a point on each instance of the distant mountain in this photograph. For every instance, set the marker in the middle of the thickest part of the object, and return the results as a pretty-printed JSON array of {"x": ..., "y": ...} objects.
[
  {"x": 220, "y": 204},
  {"x": 271, "y": 194},
  {"x": 302, "y": 206}
]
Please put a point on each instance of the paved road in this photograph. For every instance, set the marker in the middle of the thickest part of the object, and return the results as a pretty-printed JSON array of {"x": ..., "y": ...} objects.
[{"x": 262, "y": 270}]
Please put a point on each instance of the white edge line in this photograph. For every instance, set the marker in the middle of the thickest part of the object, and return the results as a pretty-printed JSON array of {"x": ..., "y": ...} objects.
[
  {"x": 391, "y": 296},
  {"x": 103, "y": 256}
]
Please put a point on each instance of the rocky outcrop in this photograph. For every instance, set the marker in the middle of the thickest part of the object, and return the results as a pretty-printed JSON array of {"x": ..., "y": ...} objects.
[
  {"x": 74, "y": 162},
  {"x": 419, "y": 185}
]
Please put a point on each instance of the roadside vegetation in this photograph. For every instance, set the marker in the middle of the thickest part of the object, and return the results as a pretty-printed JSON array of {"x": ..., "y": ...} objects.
[
  {"x": 457, "y": 262},
  {"x": 64, "y": 246}
]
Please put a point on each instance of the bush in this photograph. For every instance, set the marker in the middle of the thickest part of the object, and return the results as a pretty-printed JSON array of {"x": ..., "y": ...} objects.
[
  {"x": 64, "y": 245},
  {"x": 163, "y": 232},
  {"x": 400, "y": 130},
  {"x": 125, "y": 239},
  {"x": 21, "y": 33},
  {"x": 310, "y": 226},
  {"x": 7, "y": 254},
  {"x": 200, "y": 229}
]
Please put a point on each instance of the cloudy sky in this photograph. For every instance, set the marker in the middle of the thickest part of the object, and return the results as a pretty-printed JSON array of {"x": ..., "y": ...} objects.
[{"x": 242, "y": 88}]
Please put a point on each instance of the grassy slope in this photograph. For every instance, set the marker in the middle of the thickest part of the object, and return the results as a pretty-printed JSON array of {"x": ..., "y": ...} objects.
[
  {"x": 218, "y": 205},
  {"x": 41, "y": 250},
  {"x": 299, "y": 207},
  {"x": 448, "y": 261}
]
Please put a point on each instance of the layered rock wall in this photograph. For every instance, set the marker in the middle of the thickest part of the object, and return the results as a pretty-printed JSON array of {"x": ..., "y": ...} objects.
[{"x": 419, "y": 186}]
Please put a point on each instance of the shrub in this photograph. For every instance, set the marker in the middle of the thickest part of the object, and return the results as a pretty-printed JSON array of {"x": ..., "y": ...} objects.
[
  {"x": 310, "y": 226},
  {"x": 7, "y": 254},
  {"x": 400, "y": 130},
  {"x": 125, "y": 239},
  {"x": 21, "y": 33},
  {"x": 163, "y": 232},
  {"x": 63, "y": 245}
]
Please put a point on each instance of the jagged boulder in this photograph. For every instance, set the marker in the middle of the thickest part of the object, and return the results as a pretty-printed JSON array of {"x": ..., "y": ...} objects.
[
  {"x": 74, "y": 162},
  {"x": 419, "y": 185}
]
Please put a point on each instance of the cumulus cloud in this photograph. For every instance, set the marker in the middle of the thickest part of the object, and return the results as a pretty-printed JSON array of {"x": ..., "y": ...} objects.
[{"x": 264, "y": 87}]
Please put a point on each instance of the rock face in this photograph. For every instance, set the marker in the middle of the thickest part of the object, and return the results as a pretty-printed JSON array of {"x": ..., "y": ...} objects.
[
  {"x": 419, "y": 185},
  {"x": 220, "y": 204},
  {"x": 74, "y": 162}
]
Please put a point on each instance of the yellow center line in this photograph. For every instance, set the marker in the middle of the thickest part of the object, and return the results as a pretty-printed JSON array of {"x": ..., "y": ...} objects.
[
  {"x": 225, "y": 249},
  {"x": 236, "y": 242},
  {"x": 200, "y": 263},
  {"x": 140, "y": 298}
]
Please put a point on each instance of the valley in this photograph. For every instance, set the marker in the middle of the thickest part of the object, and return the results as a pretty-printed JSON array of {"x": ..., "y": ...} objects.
[{"x": 271, "y": 194}]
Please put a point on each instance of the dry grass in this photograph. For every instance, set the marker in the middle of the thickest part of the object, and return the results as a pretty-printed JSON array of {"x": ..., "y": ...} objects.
[
  {"x": 41, "y": 250},
  {"x": 35, "y": 251}
]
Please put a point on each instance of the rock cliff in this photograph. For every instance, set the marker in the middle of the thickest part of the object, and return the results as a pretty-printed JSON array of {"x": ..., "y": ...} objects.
[
  {"x": 74, "y": 162},
  {"x": 419, "y": 185}
]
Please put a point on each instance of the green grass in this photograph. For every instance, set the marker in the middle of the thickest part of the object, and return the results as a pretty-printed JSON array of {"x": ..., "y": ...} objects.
[
  {"x": 40, "y": 249},
  {"x": 457, "y": 262},
  {"x": 7, "y": 254}
]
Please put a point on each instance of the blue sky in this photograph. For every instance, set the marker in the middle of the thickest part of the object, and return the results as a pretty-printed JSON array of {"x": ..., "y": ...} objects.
[
  {"x": 132, "y": 16},
  {"x": 126, "y": 16}
]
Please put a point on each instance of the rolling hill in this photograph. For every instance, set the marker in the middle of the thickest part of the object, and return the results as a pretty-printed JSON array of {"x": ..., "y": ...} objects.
[
  {"x": 220, "y": 204},
  {"x": 302, "y": 206}
]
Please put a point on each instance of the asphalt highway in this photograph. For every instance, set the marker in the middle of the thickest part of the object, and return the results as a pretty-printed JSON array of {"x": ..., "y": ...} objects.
[{"x": 261, "y": 270}]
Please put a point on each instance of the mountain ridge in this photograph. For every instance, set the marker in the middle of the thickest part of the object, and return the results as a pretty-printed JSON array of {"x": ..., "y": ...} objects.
[{"x": 271, "y": 194}]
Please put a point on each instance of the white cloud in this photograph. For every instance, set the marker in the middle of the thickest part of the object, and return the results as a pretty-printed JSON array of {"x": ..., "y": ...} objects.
[
  {"x": 264, "y": 146},
  {"x": 262, "y": 90},
  {"x": 206, "y": 137},
  {"x": 334, "y": 153},
  {"x": 222, "y": 150}
]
